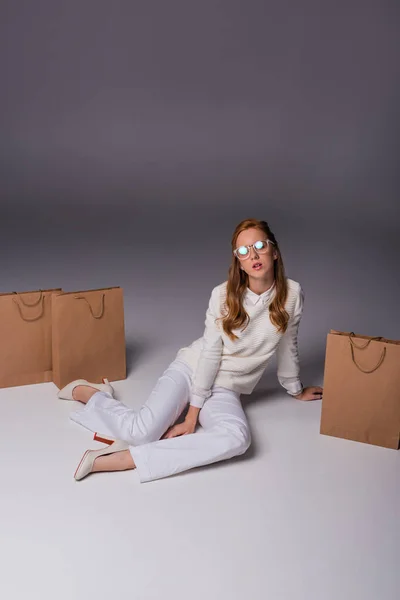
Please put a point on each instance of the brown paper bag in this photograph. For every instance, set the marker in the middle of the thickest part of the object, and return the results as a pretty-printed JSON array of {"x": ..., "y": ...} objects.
[
  {"x": 25, "y": 337},
  {"x": 88, "y": 336},
  {"x": 361, "y": 399}
]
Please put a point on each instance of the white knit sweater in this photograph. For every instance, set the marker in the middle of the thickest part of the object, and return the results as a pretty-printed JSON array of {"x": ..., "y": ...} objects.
[{"x": 238, "y": 365}]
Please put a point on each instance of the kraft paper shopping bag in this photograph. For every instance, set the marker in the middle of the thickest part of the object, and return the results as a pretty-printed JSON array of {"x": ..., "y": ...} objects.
[
  {"x": 25, "y": 337},
  {"x": 88, "y": 336},
  {"x": 361, "y": 399}
]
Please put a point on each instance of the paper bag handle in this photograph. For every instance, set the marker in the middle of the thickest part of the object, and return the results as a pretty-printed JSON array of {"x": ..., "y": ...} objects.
[
  {"x": 353, "y": 344},
  {"x": 91, "y": 310},
  {"x": 41, "y": 298},
  {"x": 33, "y": 303}
]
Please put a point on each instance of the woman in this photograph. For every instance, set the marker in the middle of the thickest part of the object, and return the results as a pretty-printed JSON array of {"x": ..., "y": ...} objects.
[{"x": 252, "y": 315}]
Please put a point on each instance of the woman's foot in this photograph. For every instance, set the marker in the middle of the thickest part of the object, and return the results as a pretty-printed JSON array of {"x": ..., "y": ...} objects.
[
  {"x": 86, "y": 464},
  {"x": 83, "y": 393},
  {"x": 117, "y": 461}
]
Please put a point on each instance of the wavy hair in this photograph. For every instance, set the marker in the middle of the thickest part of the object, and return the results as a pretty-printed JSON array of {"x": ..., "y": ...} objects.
[{"x": 235, "y": 314}]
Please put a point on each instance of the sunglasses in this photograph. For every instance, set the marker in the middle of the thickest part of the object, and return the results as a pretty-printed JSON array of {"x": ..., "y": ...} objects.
[{"x": 261, "y": 247}]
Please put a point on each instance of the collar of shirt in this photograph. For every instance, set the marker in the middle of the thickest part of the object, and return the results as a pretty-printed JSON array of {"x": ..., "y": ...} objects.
[{"x": 254, "y": 298}]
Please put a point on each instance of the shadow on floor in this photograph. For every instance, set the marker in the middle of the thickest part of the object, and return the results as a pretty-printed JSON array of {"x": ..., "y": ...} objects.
[{"x": 134, "y": 350}]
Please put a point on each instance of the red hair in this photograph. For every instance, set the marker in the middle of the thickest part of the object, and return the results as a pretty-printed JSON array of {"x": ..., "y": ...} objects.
[{"x": 238, "y": 282}]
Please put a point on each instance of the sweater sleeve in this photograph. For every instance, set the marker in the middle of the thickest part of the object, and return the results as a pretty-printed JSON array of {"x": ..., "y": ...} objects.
[
  {"x": 210, "y": 357},
  {"x": 287, "y": 351}
]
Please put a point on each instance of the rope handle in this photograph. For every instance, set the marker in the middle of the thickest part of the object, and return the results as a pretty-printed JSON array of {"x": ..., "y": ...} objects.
[
  {"x": 91, "y": 310},
  {"x": 34, "y": 303},
  {"x": 20, "y": 311},
  {"x": 354, "y": 345}
]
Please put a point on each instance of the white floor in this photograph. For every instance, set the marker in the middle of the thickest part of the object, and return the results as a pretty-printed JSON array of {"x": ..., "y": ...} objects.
[{"x": 300, "y": 515}]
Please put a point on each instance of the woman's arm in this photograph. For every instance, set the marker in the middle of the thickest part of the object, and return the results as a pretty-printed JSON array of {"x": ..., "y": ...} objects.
[
  {"x": 288, "y": 353},
  {"x": 210, "y": 357},
  {"x": 192, "y": 414},
  {"x": 288, "y": 358},
  {"x": 207, "y": 368}
]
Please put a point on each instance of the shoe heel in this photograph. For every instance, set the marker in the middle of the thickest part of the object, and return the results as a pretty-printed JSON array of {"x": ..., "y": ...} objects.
[{"x": 105, "y": 440}]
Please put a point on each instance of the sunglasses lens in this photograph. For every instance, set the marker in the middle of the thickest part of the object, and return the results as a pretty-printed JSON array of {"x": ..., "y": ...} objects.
[
  {"x": 261, "y": 246},
  {"x": 243, "y": 251}
]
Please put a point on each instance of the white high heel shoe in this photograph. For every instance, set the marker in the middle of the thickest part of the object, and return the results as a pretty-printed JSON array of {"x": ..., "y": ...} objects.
[
  {"x": 87, "y": 460},
  {"x": 66, "y": 392}
]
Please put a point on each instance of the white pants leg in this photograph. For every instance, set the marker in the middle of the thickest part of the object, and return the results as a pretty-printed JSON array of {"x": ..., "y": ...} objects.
[{"x": 225, "y": 428}]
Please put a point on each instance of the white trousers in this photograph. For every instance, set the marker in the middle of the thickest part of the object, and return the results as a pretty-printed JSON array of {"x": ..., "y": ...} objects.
[{"x": 224, "y": 434}]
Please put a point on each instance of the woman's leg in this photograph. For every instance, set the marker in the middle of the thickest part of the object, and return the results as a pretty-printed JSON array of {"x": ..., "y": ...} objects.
[
  {"x": 225, "y": 434},
  {"x": 166, "y": 402}
]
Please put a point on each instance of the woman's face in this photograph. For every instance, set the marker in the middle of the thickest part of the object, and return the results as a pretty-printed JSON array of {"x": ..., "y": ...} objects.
[{"x": 266, "y": 272}]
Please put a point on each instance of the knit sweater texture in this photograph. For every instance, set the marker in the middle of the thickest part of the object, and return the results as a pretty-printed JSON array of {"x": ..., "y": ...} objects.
[{"x": 238, "y": 365}]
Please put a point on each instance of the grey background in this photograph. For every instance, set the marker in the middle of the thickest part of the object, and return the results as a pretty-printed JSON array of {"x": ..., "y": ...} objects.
[{"x": 135, "y": 136}]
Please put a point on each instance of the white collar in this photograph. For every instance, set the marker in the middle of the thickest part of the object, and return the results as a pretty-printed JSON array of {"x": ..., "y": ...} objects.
[{"x": 255, "y": 298}]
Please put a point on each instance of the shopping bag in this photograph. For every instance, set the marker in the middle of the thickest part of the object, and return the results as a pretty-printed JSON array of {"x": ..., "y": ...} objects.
[
  {"x": 88, "y": 336},
  {"x": 25, "y": 337},
  {"x": 361, "y": 399}
]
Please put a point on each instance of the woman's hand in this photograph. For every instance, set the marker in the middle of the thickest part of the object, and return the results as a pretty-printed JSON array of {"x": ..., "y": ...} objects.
[
  {"x": 188, "y": 426},
  {"x": 310, "y": 393}
]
